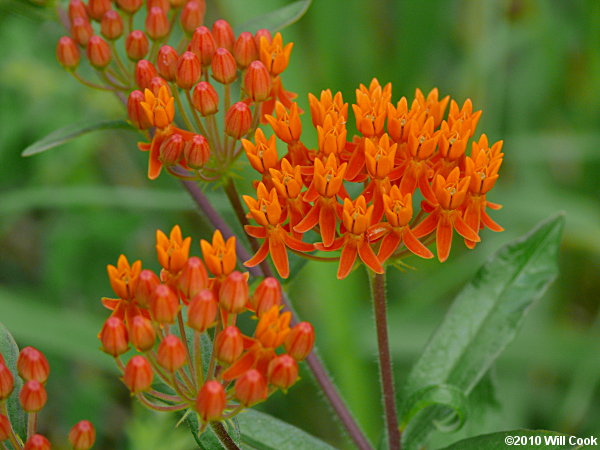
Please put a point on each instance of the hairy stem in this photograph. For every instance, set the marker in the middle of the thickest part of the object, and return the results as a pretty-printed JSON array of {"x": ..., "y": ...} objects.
[{"x": 223, "y": 436}]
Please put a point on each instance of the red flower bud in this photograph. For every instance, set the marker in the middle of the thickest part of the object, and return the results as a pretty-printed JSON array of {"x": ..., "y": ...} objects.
[
  {"x": 196, "y": 152},
  {"x": 166, "y": 62},
  {"x": 224, "y": 68},
  {"x": 251, "y": 388},
  {"x": 138, "y": 374},
  {"x": 33, "y": 365},
  {"x": 162, "y": 4},
  {"x": 211, "y": 401},
  {"x": 245, "y": 50},
  {"x": 136, "y": 45},
  {"x": 156, "y": 83},
  {"x": 171, "y": 353},
  {"x": 83, "y": 435},
  {"x": 7, "y": 382},
  {"x": 193, "y": 277},
  {"x": 147, "y": 283},
  {"x": 188, "y": 70},
  {"x": 98, "y": 52},
  {"x": 257, "y": 82},
  {"x": 77, "y": 9},
  {"x": 233, "y": 294},
  {"x": 164, "y": 305},
  {"x": 114, "y": 336},
  {"x": 129, "y": 6},
  {"x": 136, "y": 113},
  {"x": 37, "y": 442},
  {"x": 238, "y": 120},
  {"x": 142, "y": 334},
  {"x": 97, "y": 8},
  {"x": 81, "y": 30},
  {"x": 111, "y": 26},
  {"x": 203, "y": 45},
  {"x": 283, "y": 371},
  {"x": 33, "y": 396},
  {"x": 266, "y": 295},
  {"x": 263, "y": 32},
  {"x": 229, "y": 344},
  {"x": 157, "y": 24},
  {"x": 300, "y": 341},
  {"x": 67, "y": 53},
  {"x": 223, "y": 34},
  {"x": 202, "y": 310},
  {"x": 144, "y": 72},
  {"x": 171, "y": 150},
  {"x": 192, "y": 15},
  {"x": 205, "y": 99},
  {"x": 5, "y": 428}
]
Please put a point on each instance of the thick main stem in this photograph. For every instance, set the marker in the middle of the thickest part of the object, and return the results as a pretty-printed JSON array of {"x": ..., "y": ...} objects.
[
  {"x": 223, "y": 436},
  {"x": 386, "y": 374}
]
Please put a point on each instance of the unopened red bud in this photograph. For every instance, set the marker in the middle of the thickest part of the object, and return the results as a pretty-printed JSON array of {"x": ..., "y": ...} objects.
[
  {"x": 98, "y": 52},
  {"x": 111, "y": 25},
  {"x": 233, "y": 294},
  {"x": 192, "y": 15},
  {"x": 5, "y": 428},
  {"x": 147, "y": 283},
  {"x": 211, "y": 401},
  {"x": 245, "y": 50},
  {"x": 251, "y": 388},
  {"x": 196, "y": 152},
  {"x": 157, "y": 83},
  {"x": 138, "y": 374},
  {"x": 37, "y": 442},
  {"x": 238, "y": 120},
  {"x": 114, "y": 336},
  {"x": 97, "y": 8},
  {"x": 7, "y": 382},
  {"x": 166, "y": 62},
  {"x": 283, "y": 371},
  {"x": 266, "y": 295},
  {"x": 188, "y": 70},
  {"x": 171, "y": 150},
  {"x": 223, "y": 34},
  {"x": 81, "y": 30},
  {"x": 257, "y": 81},
  {"x": 263, "y": 32},
  {"x": 129, "y": 6},
  {"x": 205, "y": 99},
  {"x": 164, "y": 305},
  {"x": 33, "y": 396},
  {"x": 33, "y": 365},
  {"x": 171, "y": 353},
  {"x": 299, "y": 342},
  {"x": 202, "y": 310},
  {"x": 136, "y": 45},
  {"x": 144, "y": 72},
  {"x": 157, "y": 24},
  {"x": 136, "y": 113},
  {"x": 224, "y": 67},
  {"x": 77, "y": 9},
  {"x": 162, "y": 4},
  {"x": 142, "y": 334},
  {"x": 203, "y": 45},
  {"x": 67, "y": 53},
  {"x": 229, "y": 344},
  {"x": 83, "y": 435},
  {"x": 193, "y": 277}
]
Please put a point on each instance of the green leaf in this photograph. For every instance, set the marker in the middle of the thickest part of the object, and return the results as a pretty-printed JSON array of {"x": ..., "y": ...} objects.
[
  {"x": 529, "y": 439},
  {"x": 208, "y": 440},
  {"x": 10, "y": 352},
  {"x": 263, "y": 432},
  {"x": 70, "y": 132},
  {"x": 278, "y": 19},
  {"x": 483, "y": 319}
]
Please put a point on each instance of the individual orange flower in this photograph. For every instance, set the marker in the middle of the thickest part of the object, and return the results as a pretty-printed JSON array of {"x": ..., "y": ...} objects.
[
  {"x": 124, "y": 279},
  {"x": 332, "y": 135},
  {"x": 326, "y": 104},
  {"x": 173, "y": 251},
  {"x": 370, "y": 109},
  {"x": 274, "y": 55},
  {"x": 464, "y": 114},
  {"x": 288, "y": 182},
  {"x": 220, "y": 256},
  {"x": 399, "y": 120},
  {"x": 287, "y": 125},
  {"x": 161, "y": 136},
  {"x": 262, "y": 155},
  {"x": 159, "y": 109},
  {"x": 446, "y": 216},
  {"x": 432, "y": 105}
]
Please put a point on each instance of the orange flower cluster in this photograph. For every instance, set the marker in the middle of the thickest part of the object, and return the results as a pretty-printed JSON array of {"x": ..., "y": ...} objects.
[
  {"x": 401, "y": 153},
  {"x": 170, "y": 317},
  {"x": 33, "y": 369}
]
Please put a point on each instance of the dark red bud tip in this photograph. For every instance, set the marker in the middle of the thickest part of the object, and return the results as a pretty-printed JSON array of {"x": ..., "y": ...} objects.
[
  {"x": 67, "y": 53},
  {"x": 37, "y": 442},
  {"x": 238, "y": 120},
  {"x": 136, "y": 45},
  {"x": 98, "y": 52},
  {"x": 33, "y": 365}
]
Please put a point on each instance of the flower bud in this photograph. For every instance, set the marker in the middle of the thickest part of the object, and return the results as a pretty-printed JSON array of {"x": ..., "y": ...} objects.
[
  {"x": 164, "y": 305},
  {"x": 193, "y": 277},
  {"x": 203, "y": 45},
  {"x": 238, "y": 120},
  {"x": 33, "y": 396},
  {"x": 7, "y": 382},
  {"x": 224, "y": 68},
  {"x": 229, "y": 344},
  {"x": 211, "y": 401},
  {"x": 192, "y": 15},
  {"x": 97, "y": 8},
  {"x": 136, "y": 45},
  {"x": 233, "y": 294},
  {"x": 283, "y": 371},
  {"x": 129, "y": 6},
  {"x": 162, "y": 4},
  {"x": 138, "y": 374},
  {"x": 136, "y": 113},
  {"x": 144, "y": 72},
  {"x": 141, "y": 333},
  {"x": 202, "y": 310},
  {"x": 166, "y": 62},
  {"x": 147, "y": 283},
  {"x": 67, "y": 53},
  {"x": 171, "y": 353},
  {"x": 83, "y": 435},
  {"x": 157, "y": 24},
  {"x": 111, "y": 26},
  {"x": 188, "y": 70},
  {"x": 299, "y": 342},
  {"x": 37, "y": 442},
  {"x": 205, "y": 99},
  {"x": 114, "y": 337},
  {"x": 266, "y": 295},
  {"x": 157, "y": 83},
  {"x": 171, "y": 150},
  {"x": 81, "y": 30},
  {"x": 5, "y": 428},
  {"x": 77, "y": 9},
  {"x": 245, "y": 50},
  {"x": 257, "y": 82},
  {"x": 98, "y": 52},
  {"x": 251, "y": 388},
  {"x": 33, "y": 365},
  {"x": 263, "y": 32},
  {"x": 196, "y": 152},
  {"x": 223, "y": 34}
]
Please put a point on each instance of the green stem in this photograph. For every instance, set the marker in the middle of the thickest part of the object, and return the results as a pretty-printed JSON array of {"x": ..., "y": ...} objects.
[
  {"x": 31, "y": 424},
  {"x": 223, "y": 436},
  {"x": 187, "y": 350},
  {"x": 198, "y": 360},
  {"x": 182, "y": 111}
]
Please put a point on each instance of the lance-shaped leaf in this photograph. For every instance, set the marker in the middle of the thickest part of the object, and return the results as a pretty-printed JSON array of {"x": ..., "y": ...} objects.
[
  {"x": 10, "y": 352},
  {"x": 278, "y": 19}
]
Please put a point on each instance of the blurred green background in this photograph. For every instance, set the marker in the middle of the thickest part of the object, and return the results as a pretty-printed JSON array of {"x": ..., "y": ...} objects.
[{"x": 532, "y": 66}]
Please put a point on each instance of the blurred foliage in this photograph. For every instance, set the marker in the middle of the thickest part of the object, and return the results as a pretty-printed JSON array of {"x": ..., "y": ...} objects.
[{"x": 533, "y": 66}]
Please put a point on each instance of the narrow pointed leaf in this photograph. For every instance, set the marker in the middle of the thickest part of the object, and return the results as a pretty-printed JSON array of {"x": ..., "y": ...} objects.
[{"x": 278, "y": 19}]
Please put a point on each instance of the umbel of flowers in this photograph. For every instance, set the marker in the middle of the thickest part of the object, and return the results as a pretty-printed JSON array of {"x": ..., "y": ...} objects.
[
  {"x": 403, "y": 152},
  {"x": 167, "y": 319}
]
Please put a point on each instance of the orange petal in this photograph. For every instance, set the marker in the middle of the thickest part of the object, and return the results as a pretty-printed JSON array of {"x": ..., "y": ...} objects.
[
  {"x": 488, "y": 222},
  {"x": 463, "y": 229},
  {"x": 310, "y": 220},
  {"x": 243, "y": 364},
  {"x": 297, "y": 244},
  {"x": 257, "y": 232},
  {"x": 388, "y": 246},
  {"x": 427, "y": 225},
  {"x": 368, "y": 256},
  {"x": 444, "y": 239},
  {"x": 414, "y": 245},
  {"x": 279, "y": 257},
  {"x": 260, "y": 255},
  {"x": 327, "y": 223},
  {"x": 347, "y": 259}
]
